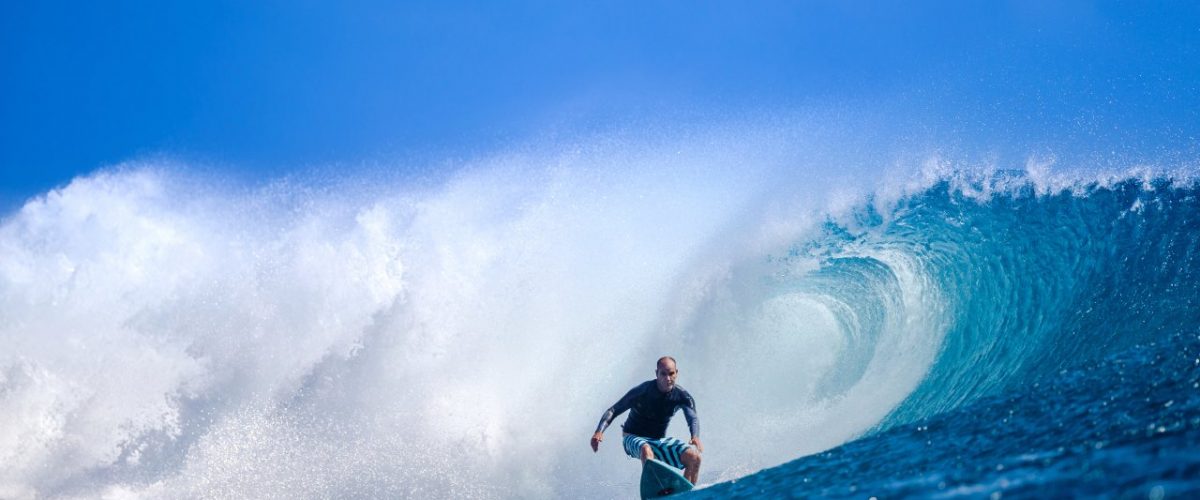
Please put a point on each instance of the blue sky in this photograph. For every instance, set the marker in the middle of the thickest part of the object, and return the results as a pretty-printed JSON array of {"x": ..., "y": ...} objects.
[{"x": 264, "y": 88}]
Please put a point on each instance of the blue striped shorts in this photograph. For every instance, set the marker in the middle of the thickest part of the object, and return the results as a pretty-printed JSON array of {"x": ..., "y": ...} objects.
[{"x": 667, "y": 449}]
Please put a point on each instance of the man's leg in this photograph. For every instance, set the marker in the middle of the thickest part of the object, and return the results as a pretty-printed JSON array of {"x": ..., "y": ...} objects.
[
  {"x": 691, "y": 464},
  {"x": 647, "y": 453}
]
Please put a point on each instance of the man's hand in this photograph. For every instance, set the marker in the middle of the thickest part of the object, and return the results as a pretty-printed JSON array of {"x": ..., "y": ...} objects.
[
  {"x": 695, "y": 442},
  {"x": 596, "y": 439}
]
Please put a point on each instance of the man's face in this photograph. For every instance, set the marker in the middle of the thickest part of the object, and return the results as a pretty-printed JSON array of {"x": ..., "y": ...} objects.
[{"x": 665, "y": 376}]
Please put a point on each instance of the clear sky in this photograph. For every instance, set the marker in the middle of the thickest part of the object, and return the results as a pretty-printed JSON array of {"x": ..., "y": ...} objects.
[{"x": 269, "y": 86}]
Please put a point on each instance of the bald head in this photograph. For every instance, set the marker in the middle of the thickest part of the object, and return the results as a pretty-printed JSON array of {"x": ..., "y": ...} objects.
[{"x": 665, "y": 373}]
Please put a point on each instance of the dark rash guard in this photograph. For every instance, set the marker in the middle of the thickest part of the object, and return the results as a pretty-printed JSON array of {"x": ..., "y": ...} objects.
[{"x": 651, "y": 411}]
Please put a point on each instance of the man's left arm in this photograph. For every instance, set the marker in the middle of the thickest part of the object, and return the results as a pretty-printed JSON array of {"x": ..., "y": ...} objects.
[{"x": 693, "y": 422}]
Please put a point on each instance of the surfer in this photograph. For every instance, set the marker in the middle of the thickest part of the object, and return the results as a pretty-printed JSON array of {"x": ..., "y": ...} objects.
[{"x": 652, "y": 404}]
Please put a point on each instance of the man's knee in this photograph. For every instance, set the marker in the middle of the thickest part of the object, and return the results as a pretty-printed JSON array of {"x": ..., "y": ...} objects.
[
  {"x": 691, "y": 458},
  {"x": 647, "y": 451}
]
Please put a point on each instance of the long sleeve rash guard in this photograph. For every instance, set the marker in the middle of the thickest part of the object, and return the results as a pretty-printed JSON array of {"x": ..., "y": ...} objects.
[{"x": 651, "y": 411}]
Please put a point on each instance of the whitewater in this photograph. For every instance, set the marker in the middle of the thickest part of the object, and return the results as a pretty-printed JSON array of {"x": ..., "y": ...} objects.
[{"x": 166, "y": 333}]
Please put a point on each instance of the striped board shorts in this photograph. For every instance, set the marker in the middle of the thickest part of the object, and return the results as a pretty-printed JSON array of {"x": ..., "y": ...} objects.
[{"x": 667, "y": 449}]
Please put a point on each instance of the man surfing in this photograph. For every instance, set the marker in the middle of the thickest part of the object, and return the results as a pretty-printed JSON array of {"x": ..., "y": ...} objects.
[{"x": 652, "y": 404}]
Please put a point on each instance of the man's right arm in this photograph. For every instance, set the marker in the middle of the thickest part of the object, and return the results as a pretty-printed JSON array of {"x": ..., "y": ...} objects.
[
  {"x": 610, "y": 414},
  {"x": 616, "y": 409}
]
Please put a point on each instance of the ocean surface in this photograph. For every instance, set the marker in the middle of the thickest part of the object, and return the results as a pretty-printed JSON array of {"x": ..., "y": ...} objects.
[
  {"x": 1126, "y": 426},
  {"x": 938, "y": 331}
]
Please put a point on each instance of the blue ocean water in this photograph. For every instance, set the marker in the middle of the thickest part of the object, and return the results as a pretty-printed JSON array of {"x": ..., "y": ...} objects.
[
  {"x": 1072, "y": 366},
  {"x": 1125, "y": 426}
]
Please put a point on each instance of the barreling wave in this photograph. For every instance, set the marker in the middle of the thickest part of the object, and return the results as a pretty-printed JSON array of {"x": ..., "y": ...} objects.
[
  {"x": 162, "y": 337},
  {"x": 1035, "y": 278}
]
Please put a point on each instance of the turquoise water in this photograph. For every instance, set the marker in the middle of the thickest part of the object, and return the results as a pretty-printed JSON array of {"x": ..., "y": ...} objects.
[
  {"x": 1073, "y": 364},
  {"x": 1126, "y": 426}
]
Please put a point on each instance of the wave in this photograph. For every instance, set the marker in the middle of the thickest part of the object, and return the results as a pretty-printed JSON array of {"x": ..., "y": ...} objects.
[
  {"x": 1036, "y": 278},
  {"x": 167, "y": 336}
]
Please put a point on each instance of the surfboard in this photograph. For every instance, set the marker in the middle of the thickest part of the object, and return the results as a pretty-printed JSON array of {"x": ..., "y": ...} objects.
[{"x": 660, "y": 480}]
